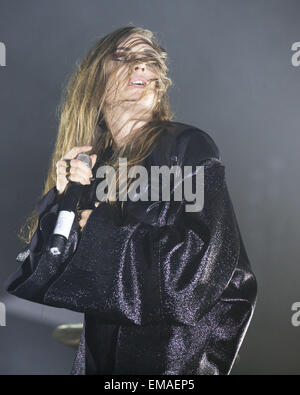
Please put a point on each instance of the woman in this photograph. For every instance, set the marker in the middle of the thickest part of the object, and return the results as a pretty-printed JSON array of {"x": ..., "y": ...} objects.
[{"x": 164, "y": 289}]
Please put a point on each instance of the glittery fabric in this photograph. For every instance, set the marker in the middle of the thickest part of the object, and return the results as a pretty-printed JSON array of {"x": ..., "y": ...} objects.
[{"x": 163, "y": 291}]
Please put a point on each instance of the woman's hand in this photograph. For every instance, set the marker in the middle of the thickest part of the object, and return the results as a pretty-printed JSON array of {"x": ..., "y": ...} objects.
[{"x": 79, "y": 171}]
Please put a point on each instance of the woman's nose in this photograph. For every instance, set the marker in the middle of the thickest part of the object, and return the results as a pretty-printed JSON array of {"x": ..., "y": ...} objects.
[{"x": 140, "y": 66}]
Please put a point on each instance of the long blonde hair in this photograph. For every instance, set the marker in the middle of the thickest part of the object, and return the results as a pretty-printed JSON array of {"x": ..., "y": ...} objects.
[{"x": 83, "y": 102}]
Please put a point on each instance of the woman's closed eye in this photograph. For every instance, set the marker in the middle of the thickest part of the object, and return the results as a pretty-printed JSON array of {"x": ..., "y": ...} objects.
[
  {"x": 125, "y": 56},
  {"x": 119, "y": 56}
]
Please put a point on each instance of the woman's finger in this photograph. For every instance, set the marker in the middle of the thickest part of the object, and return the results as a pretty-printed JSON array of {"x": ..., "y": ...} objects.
[
  {"x": 61, "y": 171},
  {"x": 83, "y": 173},
  {"x": 77, "y": 164},
  {"x": 61, "y": 163},
  {"x": 78, "y": 178},
  {"x": 76, "y": 150},
  {"x": 76, "y": 174}
]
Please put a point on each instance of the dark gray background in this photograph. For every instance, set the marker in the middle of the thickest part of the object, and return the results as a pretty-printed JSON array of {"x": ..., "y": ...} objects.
[{"x": 233, "y": 77}]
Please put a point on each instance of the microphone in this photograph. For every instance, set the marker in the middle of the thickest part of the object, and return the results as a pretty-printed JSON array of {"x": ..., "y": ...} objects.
[{"x": 66, "y": 215}]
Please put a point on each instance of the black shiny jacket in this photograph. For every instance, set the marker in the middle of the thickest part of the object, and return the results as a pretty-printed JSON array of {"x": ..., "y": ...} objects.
[{"x": 174, "y": 288}]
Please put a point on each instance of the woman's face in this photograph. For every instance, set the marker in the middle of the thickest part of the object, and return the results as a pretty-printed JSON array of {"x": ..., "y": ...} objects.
[{"x": 130, "y": 79}]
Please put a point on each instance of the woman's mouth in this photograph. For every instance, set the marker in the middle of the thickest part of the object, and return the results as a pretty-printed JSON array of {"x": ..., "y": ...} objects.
[{"x": 138, "y": 82}]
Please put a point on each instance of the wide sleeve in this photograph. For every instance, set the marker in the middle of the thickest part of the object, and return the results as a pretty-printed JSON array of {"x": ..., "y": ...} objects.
[
  {"x": 209, "y": 261},
  {"x": 159, "y": 262},
  {"x": 36, "y": 270}
]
